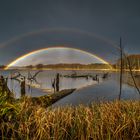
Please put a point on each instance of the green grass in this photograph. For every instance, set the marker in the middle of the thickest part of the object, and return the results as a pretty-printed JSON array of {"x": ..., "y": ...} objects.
[{"x": 26, "y": 120}]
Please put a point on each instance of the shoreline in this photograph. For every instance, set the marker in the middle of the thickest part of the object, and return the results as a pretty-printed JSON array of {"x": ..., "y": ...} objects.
[{"x": 68, "y": 69}]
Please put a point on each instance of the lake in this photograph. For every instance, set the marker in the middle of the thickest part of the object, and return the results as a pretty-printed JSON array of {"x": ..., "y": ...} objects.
[{"x": 88, "y": 88}]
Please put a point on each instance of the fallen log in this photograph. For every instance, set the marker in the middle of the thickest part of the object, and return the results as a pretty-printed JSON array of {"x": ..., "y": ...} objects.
[{"x": 49, "y": 99}]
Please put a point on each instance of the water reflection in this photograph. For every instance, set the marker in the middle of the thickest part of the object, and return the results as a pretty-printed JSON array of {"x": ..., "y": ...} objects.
[
  {"x": 42, "y": 81},
  {"x": 90, "y": 85}
]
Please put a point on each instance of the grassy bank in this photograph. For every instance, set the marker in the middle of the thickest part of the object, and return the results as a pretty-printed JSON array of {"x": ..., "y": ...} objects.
[
  {"x": 26, "y": 120},
  {"x": 31, "y": 119}
]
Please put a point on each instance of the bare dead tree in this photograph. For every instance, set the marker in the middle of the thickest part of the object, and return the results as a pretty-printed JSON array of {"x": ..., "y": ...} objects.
[
  {"x": 123, "y": 54},
  {"x": 17, "y": 76},
  {"x": 121, "y": 67},
  {"x": 33, "y": 77}
]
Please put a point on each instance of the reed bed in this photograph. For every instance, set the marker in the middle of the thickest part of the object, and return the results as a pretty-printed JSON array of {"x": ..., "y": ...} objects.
[{"x": 99, "y": 121}]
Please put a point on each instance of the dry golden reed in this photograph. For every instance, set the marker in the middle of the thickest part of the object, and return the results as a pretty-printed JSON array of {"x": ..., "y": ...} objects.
[{"x": 100, "y": 121}]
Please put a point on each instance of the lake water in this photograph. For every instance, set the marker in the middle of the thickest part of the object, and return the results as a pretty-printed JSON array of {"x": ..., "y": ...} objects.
[{"x": 88, "y": 89}]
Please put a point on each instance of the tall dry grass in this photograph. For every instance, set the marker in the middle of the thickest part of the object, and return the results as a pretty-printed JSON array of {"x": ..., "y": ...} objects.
[{"x": 100, "y": 121}]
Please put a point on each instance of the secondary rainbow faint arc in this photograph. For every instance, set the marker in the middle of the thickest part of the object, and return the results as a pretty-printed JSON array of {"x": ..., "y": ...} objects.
[
  {"x": 20, "y": 37},
  {"x": 44, "y": 49}
]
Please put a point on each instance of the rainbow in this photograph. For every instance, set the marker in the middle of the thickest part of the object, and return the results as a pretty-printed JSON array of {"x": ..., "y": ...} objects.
[
  {"x": 44, "y": 49},
  {"x": 57, "y": 30}
]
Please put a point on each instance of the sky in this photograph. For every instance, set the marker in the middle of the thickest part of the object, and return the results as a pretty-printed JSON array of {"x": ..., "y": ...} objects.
[{"x": 90, "y": 25}]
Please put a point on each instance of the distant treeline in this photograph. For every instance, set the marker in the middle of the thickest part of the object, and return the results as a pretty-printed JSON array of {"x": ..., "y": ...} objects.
[
  {"x": 70, "y": 66},
  {"x": 132, "y": 61}
]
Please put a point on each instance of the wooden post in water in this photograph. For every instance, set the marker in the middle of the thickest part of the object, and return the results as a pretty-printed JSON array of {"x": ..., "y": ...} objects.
[
  {"x": 23, "y": 91},
  {"x": 53, "y": 84},
  {"x": 121, "y": 68},
  {"x": 57, "y": 81}
]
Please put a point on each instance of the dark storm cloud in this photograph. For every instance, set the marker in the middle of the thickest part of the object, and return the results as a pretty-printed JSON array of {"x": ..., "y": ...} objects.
[{"x": 106, "y": 18}]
